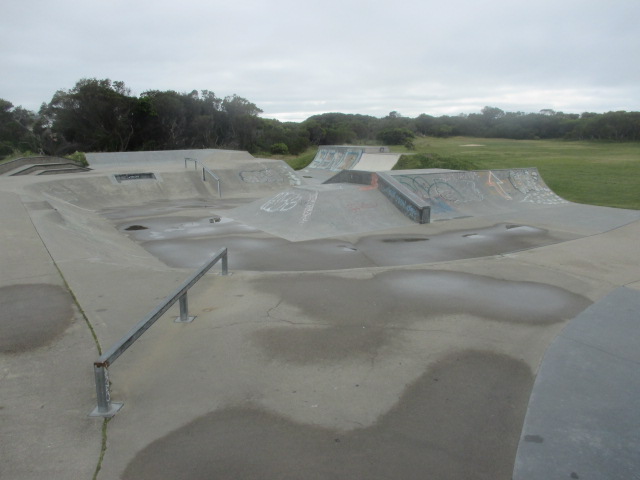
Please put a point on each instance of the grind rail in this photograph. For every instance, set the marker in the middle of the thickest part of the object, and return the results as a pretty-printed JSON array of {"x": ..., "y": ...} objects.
[
  {"x": 107, "y": 408},
  {"x": 204, "y": 170}
]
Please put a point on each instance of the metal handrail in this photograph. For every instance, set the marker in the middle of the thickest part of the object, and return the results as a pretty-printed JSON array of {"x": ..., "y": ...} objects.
[
  {"x": 204, "y": 169},
  {"x": 105, "y": 407}
]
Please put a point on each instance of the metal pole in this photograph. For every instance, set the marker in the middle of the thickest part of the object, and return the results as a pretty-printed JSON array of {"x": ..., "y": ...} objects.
[
  {"x": 225, "y": 268},
  {"x": 105, "y": 408},
  {"x": 102, "y": 389},
  {"x": 184, "y": 310}
]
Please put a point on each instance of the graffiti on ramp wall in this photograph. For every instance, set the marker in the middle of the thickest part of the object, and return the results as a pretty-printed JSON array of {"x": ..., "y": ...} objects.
[
  {"x": 336, "y": 159},
  {"x": 448, "y": 192}
]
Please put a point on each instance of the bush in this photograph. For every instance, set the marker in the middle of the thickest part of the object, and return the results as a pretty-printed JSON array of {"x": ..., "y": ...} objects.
[
  {"x": 79, "y": 157},
  {"x": 433, "y": 160},
  {"x": 303, "y": 160},
  {"x": 5, "y": 150},
  {"x": 396, "y": 136},
  {"x": 279, "y": 149}
]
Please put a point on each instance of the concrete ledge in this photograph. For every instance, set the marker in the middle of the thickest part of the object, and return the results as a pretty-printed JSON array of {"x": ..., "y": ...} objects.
[{"x": 412, "y": 206}]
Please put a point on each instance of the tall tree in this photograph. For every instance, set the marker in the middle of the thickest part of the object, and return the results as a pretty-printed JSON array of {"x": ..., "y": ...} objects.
[
  {"x": 95, "y": 115},
  {"x": 242, "y": 122},
  {"x": 16, "y": 129}
]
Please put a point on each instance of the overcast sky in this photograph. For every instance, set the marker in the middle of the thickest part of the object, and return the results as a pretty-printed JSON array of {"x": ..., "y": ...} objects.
[{"x": 297, "y": 58}]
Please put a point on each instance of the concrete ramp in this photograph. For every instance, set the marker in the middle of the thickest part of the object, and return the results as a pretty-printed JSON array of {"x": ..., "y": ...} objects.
[
  {"x": 378, "y": 162},
  {"x": 457, "y": 194},
  {"x": 255, "y": 177},
  {"x": 131, "y": 184},
  {"x": 336, "y": 158},
  {"x": 321, "y": 211},
  {"x": 97, "y": 191},
  {"x": 582, "y": 420}
]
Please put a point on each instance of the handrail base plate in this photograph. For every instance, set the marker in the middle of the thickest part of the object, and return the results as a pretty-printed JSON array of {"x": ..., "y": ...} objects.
[{"x": 115, "y": 408}]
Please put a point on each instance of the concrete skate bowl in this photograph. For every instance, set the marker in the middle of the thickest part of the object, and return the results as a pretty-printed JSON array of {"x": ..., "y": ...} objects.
[
  {"x": 383, "y": 351},
  {"x": 320, "y": 227},
  {"x": 181, "y": 220}
]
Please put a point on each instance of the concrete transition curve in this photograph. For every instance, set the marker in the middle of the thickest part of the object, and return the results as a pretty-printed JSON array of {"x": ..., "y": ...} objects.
[{"x": 335, "y": 158}]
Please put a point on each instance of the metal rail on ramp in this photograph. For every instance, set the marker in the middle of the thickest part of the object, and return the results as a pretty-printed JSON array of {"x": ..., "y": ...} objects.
[
  {"x": 204, "y": 170},
  {"x": 107, "y": 408}
]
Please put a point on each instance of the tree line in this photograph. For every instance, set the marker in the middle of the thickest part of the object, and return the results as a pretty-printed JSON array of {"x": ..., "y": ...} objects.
[{"x": 103, "y": 116}]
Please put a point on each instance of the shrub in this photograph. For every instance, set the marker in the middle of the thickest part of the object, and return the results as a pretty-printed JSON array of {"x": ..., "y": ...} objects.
[
  {"x": 279, "y": 149},
  {"x": 79, "y": 157},
  {"x": 395, "y": 136},
  {"x": 433, "y": 160}
]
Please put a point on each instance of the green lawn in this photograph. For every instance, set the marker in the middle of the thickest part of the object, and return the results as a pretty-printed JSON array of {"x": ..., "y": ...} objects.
[{"x": 597, "y": 173}]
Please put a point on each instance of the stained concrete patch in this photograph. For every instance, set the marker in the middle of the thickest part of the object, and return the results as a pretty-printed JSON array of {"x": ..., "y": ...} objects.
[
  {"x": 372, "y": 312},
  {"x": 390, "y": 250},
  {"x": 260, "y": 254},
  {"x": 460, "y": 419},
  {"x": 32, "y": 315},
  {"x": 186, "y": 242}
]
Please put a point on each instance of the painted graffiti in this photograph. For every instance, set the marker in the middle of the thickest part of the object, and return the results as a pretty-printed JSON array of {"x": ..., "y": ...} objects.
[
  {"x": 444, "y": 192},
  {"x": 529, "y": 184},
  {"x": 308, "y": 208},
  {"x": 447, "y": 193},
  {"x": 335, "y": 160},
  {"x": 497, "y": 185},
  {"x": 283, "y": 202},
  {"x": 400, "y": 202}
]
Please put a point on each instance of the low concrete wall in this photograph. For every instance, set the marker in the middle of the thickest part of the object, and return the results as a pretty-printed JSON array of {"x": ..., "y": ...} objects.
[{"x": 413, "y": 207}]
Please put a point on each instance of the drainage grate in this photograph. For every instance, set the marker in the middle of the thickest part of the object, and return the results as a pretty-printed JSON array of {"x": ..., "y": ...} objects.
[{"x": 123, "y": 177}]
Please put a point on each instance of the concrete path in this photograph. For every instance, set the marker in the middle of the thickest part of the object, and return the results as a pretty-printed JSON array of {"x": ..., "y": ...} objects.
[
  {"x": 408, "y": 351},
  {"x": 45, "y": 347}
]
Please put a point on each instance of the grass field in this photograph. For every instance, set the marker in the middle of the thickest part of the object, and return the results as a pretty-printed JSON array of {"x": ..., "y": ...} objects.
[{"x": 597, "y": 173}]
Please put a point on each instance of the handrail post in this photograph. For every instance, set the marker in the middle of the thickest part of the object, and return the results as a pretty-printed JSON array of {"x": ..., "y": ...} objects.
[
  {"x": 225, "y": 268},
  {"x": 105, "y": 407},
  {"x": 184, "y": 310}
]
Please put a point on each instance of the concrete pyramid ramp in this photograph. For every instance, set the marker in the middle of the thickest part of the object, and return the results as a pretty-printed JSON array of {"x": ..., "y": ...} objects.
[{"x": 320, "y": 211}]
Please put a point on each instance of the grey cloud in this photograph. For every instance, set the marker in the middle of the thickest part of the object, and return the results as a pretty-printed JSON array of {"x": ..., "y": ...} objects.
[{"x": 294, "y": 59}]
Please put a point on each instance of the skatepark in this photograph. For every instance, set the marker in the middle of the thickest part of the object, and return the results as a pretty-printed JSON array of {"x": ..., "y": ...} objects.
[{"x": 372, "y": 324}]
